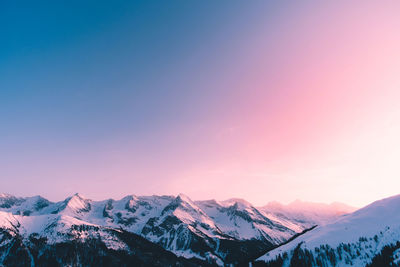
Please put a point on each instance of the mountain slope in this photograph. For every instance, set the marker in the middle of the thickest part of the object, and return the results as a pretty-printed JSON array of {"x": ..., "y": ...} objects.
[
  {"x": 58, "y": 240},
  {"x": 231, "y": 231},
  {"x": 353, "y": 239}
]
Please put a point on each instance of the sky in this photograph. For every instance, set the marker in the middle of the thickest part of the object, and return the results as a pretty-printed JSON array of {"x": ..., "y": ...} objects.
[{"x": 261, "y": 100}]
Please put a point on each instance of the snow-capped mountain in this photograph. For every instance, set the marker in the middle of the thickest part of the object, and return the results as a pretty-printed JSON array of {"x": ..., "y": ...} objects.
[
  {"x": 214, "y": 232},
  {"x": 300, "y": 215},
  {"x": 368, "y": 236}
]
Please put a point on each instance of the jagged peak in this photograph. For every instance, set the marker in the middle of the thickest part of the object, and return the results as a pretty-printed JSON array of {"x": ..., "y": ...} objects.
[
  {"x": 182, "y": 202},
  {"x": 78, "y": 195},
  {"x": 184, "y": 198},
  {"x": 77, "y": 203},
  {"x": 130, "y": 198},
  {"x": 77, "y": 198},
  {"x": 130, "y": 202},
  {"x": 7, "y": 201},
  {"x": 186, "y": 202}
]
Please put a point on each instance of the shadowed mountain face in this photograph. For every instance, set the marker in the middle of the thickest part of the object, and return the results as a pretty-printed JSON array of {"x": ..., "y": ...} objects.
[
  {"x": 141, "y": 230},
  {"x": 93, "y": 250}
]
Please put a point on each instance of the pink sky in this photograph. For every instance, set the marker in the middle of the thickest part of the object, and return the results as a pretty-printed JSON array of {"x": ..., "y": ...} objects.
[
  {"x": 302, "y": 103},
  {"x": 332, "y": 132}
]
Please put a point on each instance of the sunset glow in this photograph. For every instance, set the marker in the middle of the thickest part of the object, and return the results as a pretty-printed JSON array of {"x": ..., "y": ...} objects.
[{"x": 262, "y": 101}]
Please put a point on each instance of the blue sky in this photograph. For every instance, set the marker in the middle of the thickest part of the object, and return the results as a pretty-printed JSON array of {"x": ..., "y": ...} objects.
[
  {"x": 166, "y": 97},
  {"x": 77, "y": 75},
  {"x": 69, "y": 64}
]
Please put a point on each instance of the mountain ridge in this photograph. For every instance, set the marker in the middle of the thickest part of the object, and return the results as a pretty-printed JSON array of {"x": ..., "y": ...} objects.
[{"x": 216, "y": 232}]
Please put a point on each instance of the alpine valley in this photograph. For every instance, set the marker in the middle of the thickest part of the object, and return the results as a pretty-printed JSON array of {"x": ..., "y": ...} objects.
[{"x": 176, "y": 231}]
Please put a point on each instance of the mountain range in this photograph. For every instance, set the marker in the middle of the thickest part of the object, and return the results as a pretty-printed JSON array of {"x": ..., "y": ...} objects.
[{"x": 176, "y": 231}]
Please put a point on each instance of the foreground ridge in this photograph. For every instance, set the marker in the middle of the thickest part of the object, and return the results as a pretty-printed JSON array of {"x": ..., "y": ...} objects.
[{"x": 368, "y": 237}]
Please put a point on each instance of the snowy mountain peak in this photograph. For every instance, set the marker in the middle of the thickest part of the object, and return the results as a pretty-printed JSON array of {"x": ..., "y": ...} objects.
[
  {"x": 130, "y": 197},
  {"x": 130, "y": 200},
  {"x": 184, "y": 202},
  {"x": 184, "y": 198},
  {"x": 76, "y": 204},
  {"x": 78, "y": 195},
  {"x": 203, "y": 229},
  {"x": 8, "y": 201}
]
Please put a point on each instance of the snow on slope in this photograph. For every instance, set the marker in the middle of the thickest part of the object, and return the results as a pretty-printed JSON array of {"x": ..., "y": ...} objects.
[
  {"x": 359, "y": 236},
  {"x": 8, "y": 220},
  {"x": 239, "y": 219},
  {"x": 185, "y": 227}
]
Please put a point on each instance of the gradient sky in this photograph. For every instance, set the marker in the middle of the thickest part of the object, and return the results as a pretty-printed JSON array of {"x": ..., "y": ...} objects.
[{"x": 264, "y": 100}]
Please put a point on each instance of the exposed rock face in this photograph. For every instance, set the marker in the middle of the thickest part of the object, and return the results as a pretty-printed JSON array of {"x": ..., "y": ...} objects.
[{"x": 231, "y": 231}]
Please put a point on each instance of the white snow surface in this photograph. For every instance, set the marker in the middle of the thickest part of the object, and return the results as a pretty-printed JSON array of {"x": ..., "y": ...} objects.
[
  {"x": 369, "y": 228},
  {"x": 231, "y": 219}
]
